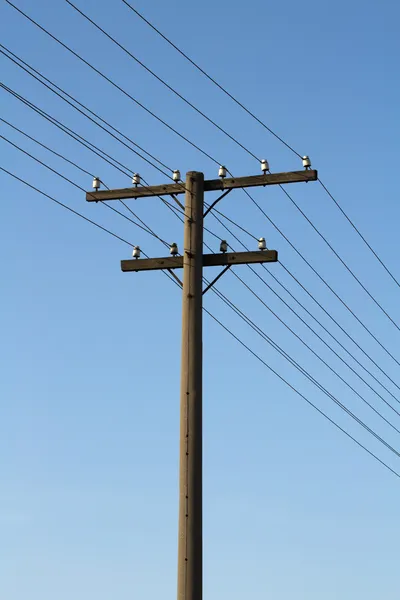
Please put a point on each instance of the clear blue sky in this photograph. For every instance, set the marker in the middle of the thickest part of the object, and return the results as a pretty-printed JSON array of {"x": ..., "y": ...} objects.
[{"x": 90, "y": 356}]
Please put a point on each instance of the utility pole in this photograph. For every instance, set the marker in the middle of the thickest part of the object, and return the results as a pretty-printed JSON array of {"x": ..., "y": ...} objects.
[
  {"x": 190, "y": 544},
  {"x": 190, "y": 541}
]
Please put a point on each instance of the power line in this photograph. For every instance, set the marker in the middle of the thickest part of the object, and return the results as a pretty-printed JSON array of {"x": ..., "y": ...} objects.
[
  {"x": 46, "y": 147},
  {"x": 360, "y": 234},
  {"x": 37, "y": 78},
  {"x": 73, "y": 134},
  {"x": 318, "y": 356},
  {"x": 149, "y": 230},
  {"x": 376, "y": 302},
  {"x": 321, "y": 359},
  {"x": 320, "y": 277},
  {"x": 213, "y": 317},
  {"x": 339, "y": 257},
  {"x": 307, "y": 374},
  {"x": 294, "y": 363},
  {"x": 113, "y": 83},
  {"x": 214, "y": 210},
  {"x": 89, "y": 145},
  {"x": 146, "y": 228},
  {"x": 169, "y": 87},
  {"x": 40, "y": 75},
  {"x": 372, "y": 432},
  {"x": 118, "y": 237},
  {"x": 211, "y": 78},
  {"x": 125, "y": 172},
  {"x": 266, "y": 127},
  {"x": 336, "y": 340},
  {"x": 72, "y": 162},
  {"x": 78, "y": 214},
  {"x": 340, "y": 326},
  {"x": 78, "y": 138},
  {"x": 75, "y": 212},
  {"x": 142, "y": 157},
  {"x": 306, "y": 310},
  {"x": 10, "y": 3},
  {"x": 299, "y": 393},
  {"x": 315, "y": 271}
]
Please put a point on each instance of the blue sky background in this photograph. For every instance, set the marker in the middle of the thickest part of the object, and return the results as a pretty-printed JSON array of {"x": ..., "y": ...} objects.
[{"x": 90, "y": 356}]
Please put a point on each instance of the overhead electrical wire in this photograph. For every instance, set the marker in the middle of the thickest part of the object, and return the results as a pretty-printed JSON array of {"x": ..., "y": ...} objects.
[
  {"x": 77, "y": 137},
  {"x": 314, "y": 270},
  {"x": 299, "y": 393},
  {"x": 83, "y": 141},
  {"x": 78, "y": 214},
  {"x": 74, "y": 133},
  {"x": 211, "y": 78},
  {"x": 295, "y": 204},
  {"x": 39, "y": 76},
  {"x": 301, "y": 369},
  {"x": 90, "y": 146},
  {"x": 320, "y": 277},
  {"x": 263, "y": 124},
  {"x": 319, "y": 357},
  {"x": 348, "y": 335},
  {"x": 208, "y": 312},
  {"x": 38, "y": 25},
  {"x": 75, "y": 212},
  {"x": 57, "y": 93},
  {"x": 145, "y": 227},
  {"x": 216, "y": 125},
  {"x": 58, "y": 123},
  {"x": 163, "y": 242},
  {"x": 161, "y": 80},
  {"x": 26, "y": 67},
  {"x": 253, "y": 270},
  {"x": 71, "y": 162},
  {"x": 339, "y": 258},
  {"x": 359, "y": 233},
  {"x": 148, "y": 230},
  {"x": 118, "y": 87},
  {"x": 236, "y": 141}
]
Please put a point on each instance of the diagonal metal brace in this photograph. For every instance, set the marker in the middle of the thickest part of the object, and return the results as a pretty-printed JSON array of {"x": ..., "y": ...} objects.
[
  {"x": 170, "y": 271},
  {"x": 177, "y": 201},
  {"x": 216, "y": 202},
  {"x": 216, "y": 279}
]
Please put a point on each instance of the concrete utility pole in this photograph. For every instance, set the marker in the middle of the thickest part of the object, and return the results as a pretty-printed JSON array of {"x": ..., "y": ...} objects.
[{"x": 190, "y": 547}]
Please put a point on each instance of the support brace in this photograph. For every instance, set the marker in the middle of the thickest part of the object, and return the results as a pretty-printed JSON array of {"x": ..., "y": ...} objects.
[{"x": 216, "y": 279}]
